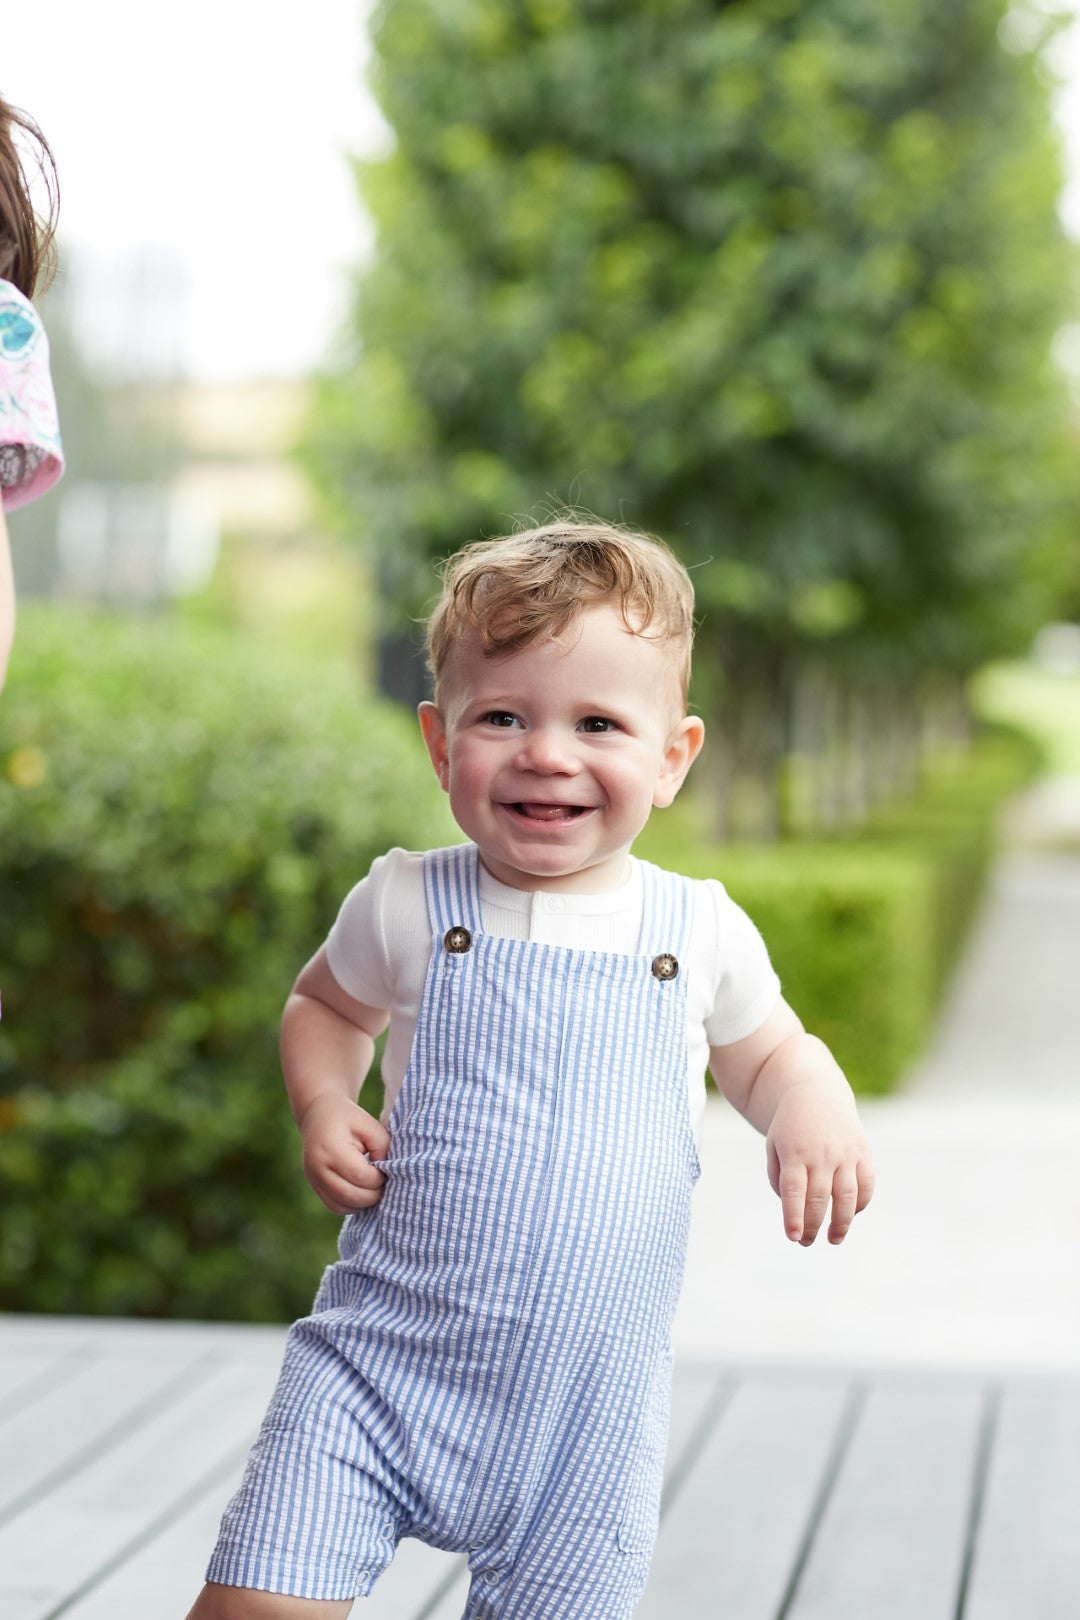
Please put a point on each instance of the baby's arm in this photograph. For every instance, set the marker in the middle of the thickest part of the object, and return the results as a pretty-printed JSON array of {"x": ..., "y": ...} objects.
[
  {"x": 327, "y": 1043},
  {"x": 789, "y": 1086}
]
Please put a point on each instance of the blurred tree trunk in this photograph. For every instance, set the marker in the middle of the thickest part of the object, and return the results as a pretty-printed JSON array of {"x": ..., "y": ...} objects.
[{"x": 748, "y": 745}]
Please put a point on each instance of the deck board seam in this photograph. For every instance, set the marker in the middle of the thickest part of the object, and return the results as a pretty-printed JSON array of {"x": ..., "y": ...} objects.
[
  {"x": 683, "y": 1465},
  {"x": 161, "y": 1522},
  {"x": 77, "y": 1462},
  {"x": 446, "y": 1584},
  {"x": 43, "y": 1383},
  {"x": 980, "y": 1474},
  {"x": 846, "y": 1425}
]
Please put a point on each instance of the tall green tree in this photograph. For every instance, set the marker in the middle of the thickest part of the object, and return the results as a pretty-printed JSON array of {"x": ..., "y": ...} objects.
[{"x": 776, "y": 280}]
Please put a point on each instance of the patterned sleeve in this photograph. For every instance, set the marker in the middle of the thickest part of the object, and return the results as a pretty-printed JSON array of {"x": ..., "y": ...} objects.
[{"x": 31, "y": 457}]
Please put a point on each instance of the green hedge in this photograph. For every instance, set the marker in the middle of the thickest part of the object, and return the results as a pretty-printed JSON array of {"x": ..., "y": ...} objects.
[
  {"x": 865, "y": 931},
  {"x": 179, "y": 820}
]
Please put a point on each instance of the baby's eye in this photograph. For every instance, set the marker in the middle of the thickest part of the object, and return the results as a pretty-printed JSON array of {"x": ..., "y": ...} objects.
[
  {"x": 597, "y": 724},
  {"x": 501, "y": 718}
]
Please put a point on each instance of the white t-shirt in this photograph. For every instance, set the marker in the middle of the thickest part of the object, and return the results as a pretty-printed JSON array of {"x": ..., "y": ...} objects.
[{"x": 380, "y": 947}]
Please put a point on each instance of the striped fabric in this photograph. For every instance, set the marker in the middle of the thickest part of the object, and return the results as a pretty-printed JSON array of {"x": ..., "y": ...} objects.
[{"x": 487, "y": 1367}]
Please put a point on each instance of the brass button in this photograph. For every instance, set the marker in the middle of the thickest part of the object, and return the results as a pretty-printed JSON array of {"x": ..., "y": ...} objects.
[
  {"x": 457, "y": 940},
  {"x": 665, "y": 966}
]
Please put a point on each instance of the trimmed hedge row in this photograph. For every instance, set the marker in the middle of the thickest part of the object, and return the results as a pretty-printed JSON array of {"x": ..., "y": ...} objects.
[
  {"x": 865, "y": 931},
  {"x": 179, "y": 821}
]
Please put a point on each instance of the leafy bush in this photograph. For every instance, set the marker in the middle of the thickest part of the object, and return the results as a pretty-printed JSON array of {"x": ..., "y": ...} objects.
[
  {"x": 865, "y": 931},
  {"x": 179, "y": 822},
  {"x": 847, "y": 931}
]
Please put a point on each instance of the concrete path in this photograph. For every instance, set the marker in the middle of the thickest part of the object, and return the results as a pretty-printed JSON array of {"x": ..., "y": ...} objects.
[{"x": 969, "y": 1255}]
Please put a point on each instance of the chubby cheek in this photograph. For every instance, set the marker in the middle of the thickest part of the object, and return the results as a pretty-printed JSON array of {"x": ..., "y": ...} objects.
[
  {"x": 462, "y": 773},
  {"x": 467, "y": 786},
  {"x": 638, "y": 784}
]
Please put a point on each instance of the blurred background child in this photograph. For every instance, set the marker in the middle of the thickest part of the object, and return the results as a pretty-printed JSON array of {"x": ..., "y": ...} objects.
[{"x": 31, "y": 458}]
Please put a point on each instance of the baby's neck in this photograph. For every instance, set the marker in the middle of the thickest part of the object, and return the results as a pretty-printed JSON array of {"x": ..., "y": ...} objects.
[{"x": 605, "y": 878}]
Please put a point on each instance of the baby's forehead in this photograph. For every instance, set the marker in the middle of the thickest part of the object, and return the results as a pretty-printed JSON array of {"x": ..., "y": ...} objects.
[
  {"x": 473, "y": 666},
  {"x": 482, "y": 646}
]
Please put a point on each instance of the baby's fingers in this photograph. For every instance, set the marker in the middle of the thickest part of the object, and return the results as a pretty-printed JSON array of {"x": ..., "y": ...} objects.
[
  {"x": 791, "y": 1182},
  {"x": 805, "y": 1192},
  {"x": 851, "y": 1194},
  {"x": 819, "y": 1188},
  {"x": 374, "y": 1135},
  {"x": 345, "y": 1194},
  {"x": 845, "y": 1205}
]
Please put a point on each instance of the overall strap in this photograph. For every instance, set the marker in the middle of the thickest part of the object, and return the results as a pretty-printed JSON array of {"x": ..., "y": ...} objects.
[
  {"x": 452, "y": 887},
  {"x": 667, "y": 912}
]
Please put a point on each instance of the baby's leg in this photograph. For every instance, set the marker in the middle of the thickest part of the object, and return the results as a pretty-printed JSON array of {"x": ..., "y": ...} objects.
[{"x": 243, "y": 1603}]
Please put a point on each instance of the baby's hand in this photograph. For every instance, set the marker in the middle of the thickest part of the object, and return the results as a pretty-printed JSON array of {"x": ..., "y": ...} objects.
[
  {"x": 338, "y": 1136},
  {"x": 817, "y": 1152}
]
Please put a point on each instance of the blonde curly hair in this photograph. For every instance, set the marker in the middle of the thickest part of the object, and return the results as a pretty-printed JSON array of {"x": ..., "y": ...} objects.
[{"x": 522, "y": 588}]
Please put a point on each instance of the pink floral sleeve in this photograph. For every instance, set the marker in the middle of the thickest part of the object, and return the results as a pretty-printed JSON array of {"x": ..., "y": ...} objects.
[{"x": 31, "y": 457}]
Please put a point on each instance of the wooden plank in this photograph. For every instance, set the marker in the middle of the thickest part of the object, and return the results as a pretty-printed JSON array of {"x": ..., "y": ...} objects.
[
  {"x": 168, "y": 1570},
  {"x": 1027, "y": 1544},
  {"x": 78, "y": 1419},
  {"x": 28, "y": 1375},
  {"x": 783, "y": 1497},
  {"x": 733, "y": 1536},
  {"x": 891, "y": 1539},
  {"x": 67, "y": 1335},
  {"x": 698, "y": 1393},
  {"x": 451, "y": 1604},
  {"x": 163, "y": 1575},
  {"x": 414, "y": 1581},
  {"x": 173, "y": 1560},
  {"x": 100, "y": 1515},
  {"x": 40, "y": 1335},
  {"x": 446, "y": 1597}
]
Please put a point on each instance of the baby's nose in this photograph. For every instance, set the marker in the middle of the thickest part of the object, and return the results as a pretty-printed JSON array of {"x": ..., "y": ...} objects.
[{"x": 547, "y": 749}]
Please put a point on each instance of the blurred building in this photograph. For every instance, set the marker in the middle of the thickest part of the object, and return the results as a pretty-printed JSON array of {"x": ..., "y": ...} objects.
[
  {"x": 163, "y": 474},
  {"x": 182, "y": 469}
]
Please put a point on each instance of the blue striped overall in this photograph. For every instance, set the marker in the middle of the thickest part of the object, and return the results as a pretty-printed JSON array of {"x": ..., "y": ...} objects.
[{"x": 487, "y": 1367}]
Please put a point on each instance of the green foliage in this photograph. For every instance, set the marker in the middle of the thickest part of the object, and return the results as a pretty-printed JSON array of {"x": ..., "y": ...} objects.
[
  {"x": 842, "y": 924},
  {"x": 778, "y": 281},
  {"x": 865, "y": 932},
  {"x": 180, "y": 818},
  {"x": 1043, "y": 703}
]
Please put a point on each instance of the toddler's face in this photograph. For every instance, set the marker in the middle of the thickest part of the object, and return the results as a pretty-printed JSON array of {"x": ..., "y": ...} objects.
[{"x": 554, "y": 756}]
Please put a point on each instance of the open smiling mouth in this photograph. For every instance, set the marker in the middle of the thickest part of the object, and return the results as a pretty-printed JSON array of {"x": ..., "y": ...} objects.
[{"x": 551, "y": 812}]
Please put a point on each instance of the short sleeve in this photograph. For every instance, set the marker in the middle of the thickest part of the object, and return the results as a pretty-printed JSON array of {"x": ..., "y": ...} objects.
[
  {"x": 31, "y": 455},
  {"x": 381, "y": 925},
  {"x": 745, "y": 986}
]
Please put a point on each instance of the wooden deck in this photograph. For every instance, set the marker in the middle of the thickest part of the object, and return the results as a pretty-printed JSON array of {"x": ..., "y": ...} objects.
[{"x": 792, "y": 1494}]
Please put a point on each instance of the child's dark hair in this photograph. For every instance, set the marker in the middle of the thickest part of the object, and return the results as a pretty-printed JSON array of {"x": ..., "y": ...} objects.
[{"x": 27, "y": 239}]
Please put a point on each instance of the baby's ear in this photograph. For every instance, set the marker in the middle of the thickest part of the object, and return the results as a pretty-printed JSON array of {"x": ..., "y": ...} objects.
[
  {"x": 683, "y": 747},
  {"x": 431, "y": 724}
]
